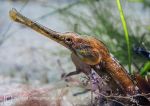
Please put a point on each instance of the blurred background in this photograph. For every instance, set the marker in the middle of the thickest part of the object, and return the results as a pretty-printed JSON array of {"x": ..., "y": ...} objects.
[{"x": 26, "y": 57}]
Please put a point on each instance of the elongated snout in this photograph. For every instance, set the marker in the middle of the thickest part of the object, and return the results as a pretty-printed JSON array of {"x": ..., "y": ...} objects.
[{"x": 56, "y": 36}]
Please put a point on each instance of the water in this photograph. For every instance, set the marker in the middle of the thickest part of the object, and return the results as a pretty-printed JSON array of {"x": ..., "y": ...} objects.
[
  {"x": 25, "y": 51},
  {"x": 26, "y": 57}
]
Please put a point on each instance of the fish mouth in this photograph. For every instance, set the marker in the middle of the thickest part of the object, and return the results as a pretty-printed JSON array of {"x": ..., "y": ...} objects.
[{"x": 51, "y": 34}]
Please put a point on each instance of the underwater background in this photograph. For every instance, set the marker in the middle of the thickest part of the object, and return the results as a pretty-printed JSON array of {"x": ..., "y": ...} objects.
[{"x": 29, "y": 60}]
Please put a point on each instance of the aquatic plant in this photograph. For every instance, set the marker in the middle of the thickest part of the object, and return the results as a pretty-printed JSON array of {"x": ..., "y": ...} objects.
[{"x": 126, "y": 34}]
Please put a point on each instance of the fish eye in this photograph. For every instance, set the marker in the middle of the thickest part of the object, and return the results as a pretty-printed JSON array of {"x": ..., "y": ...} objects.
[{"x": 68, "y": 40}]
